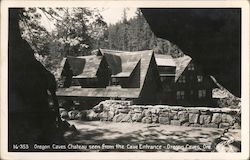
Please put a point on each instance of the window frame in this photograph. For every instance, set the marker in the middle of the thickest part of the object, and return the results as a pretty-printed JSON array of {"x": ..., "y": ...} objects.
[
  {"x": 182, "y": 79},
  {"x": 115, "y": 81},
  {"x": 202, "y": 93},
  {"x": 191, "y": 67},
  {"x": 200, "y": 78},
  {"x": 180, "y": 95}
]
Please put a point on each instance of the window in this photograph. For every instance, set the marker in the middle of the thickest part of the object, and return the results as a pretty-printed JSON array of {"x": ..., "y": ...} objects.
[
  {"x": 163, "y": 78},
  {"x": 191, "y": 67},
  {"x": 115, "y": 81},
  {"x": 202, "y": 93},
  {"x": 199, "y": 78},
  {"x": 180, "y": 94},
  {"x": 191, "y": 92},
  {"x": 182, "y": 79}
]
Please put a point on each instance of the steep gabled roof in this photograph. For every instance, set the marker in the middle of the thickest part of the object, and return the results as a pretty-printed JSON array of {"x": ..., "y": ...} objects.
[
  {"x": 181, "y": 65},
  {"x": 164, "y": 60},
  {"x": 122, "y": 63},
  {"x": 84, "y": 66},
  {"x": 130, "y": 60}
]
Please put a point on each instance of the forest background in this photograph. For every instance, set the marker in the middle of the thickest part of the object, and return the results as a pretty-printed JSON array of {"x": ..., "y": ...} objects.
[{"x": 80, "y": 31}]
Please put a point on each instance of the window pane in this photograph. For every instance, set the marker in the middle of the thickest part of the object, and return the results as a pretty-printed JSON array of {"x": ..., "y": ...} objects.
[
  {"x": 182, "y": 79},
  {"x": 201, "y": 93},
  {"x": 199, "y": 78},
  {"x": 191, "y": 66},
  {"x": 180, "y": 94}
]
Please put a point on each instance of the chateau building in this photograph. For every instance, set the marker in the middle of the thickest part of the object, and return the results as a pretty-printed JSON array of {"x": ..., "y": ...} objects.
[{"x": 142, "y": 77}]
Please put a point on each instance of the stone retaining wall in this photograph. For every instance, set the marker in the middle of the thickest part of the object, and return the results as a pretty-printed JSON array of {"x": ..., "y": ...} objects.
[{"x": 122, "y": 111}]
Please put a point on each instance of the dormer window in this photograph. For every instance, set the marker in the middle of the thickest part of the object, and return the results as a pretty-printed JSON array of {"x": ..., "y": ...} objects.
[
  {"x": 191, "y": 67},
  {"x": 182, "y": 79},
  {"x": 115, "y": 81},
  {"x": 199, "y": 78},
  {"x": 201, "y": 93},
  {"x": 180, "y": 95}
]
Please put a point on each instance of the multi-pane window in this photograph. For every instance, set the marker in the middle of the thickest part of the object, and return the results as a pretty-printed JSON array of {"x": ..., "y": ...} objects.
[
  {"x": 115, "y": 81},
  {"x": 182, "y": 79},
  {"x": 191, "y": 67},
  {"x": 199, "y": 78},
  {"x": 202, "y": 93},
  {"x": 180, "y": 94}
]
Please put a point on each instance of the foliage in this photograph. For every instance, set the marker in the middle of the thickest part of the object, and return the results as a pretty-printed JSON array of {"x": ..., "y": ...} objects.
[
  {"x": 77, "y": 31},
  {"x": 134, "y": 35},
  {"x": 73, "y": 32},
  {"x": 33, "y": 32}
]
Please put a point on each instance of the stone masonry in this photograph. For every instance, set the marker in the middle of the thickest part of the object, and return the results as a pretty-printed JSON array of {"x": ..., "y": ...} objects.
[{"x": 123, "y": 111}]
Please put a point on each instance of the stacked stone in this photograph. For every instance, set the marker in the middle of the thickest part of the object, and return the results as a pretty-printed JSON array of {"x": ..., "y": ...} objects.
[{"x": 123, "y": 111}]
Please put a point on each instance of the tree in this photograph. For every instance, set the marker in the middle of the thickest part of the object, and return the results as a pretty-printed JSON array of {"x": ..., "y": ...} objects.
[
  {"x": 74, "y": 32},
  {"x": 76, "y": 27},
  {"x": 33, "y": 32},
  {"x": 134, "y": 35}
]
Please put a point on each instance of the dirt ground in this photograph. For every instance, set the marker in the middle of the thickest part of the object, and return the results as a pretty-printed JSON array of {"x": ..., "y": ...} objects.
[{"x": 146, "y": 137}]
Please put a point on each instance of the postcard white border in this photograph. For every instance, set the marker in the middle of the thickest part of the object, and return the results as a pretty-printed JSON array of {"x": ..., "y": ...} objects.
[{"x": 243, "y": 4}]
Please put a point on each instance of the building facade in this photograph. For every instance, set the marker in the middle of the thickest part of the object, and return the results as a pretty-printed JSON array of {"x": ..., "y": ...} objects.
[{"x": 142, "y": 77}]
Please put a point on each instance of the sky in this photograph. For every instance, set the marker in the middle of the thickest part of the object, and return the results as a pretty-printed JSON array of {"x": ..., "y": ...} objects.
[
  {"x": 110, "y": 15},
  {"x": 113, "y": 15}
]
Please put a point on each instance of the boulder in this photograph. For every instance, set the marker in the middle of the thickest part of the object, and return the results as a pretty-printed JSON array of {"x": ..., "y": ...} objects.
[
  {"x": 131, "y": 111},
  {"x": 79, "y": 116},
  {"x": 164, "y": 113},
  {"x": 103, "y": 116},
  {"x": 119, "y": 106},
  {"x": 236, "y": 126},
  {"x": 118, "y": 117},
  {"x": 227, "y": 118},
  {"x": 147, "y": 113},
  {"x": 137, "y": 117},
  {"x": 72, "y": 114},
  {"x": 164, "y": 120},
  {"x": 91, "y": 115},
  {"x": 138, "y": 110},
  {"x": 175, "y": 122},
  {"x": 183, "y": 116},
  {"x": 64, "y": 114},
  {"x": 107, "y": 107},
  {"x": 216, "y": 118},
  {"x": 98, "y": 108},
  {"x": 61, "y": 110},
  {"x": 121, "y": 117},
  {"x": 205, "y": 119},
  {"x": 154, "y": 110},
  {"x": 224, "y": 125},
  {"x": 110, "y": 114},
  {"x": 173, "y": 115},
  {"x": 193, "y": 118},
  {"x": 127, "y": 118},
  {"x": 154, "y": 118},
  {"x": 146, "y": 120}
]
